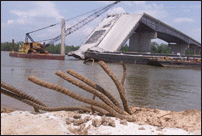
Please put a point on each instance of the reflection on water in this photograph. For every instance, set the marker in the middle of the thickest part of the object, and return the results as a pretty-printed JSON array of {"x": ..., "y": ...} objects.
[{"x": 155, "y": 87}]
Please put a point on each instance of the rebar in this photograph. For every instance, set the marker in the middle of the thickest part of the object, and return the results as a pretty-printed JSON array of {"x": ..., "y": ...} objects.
[
  {"x": 95, "y": 108},
  {"x": 46, "y": 108},
  {"x": 21, "y": 93},
  {"x": 92, "y": 105},
  {"x": 91, "y": 90},
  {"x": 78, "y": 97},
  {"x": 95, "y": 86},
  {"x": 18, "y": 98},
  {"x": 124, "y": 72},
  {"x": 118, "y": 85},
  {"x": 112, "y": 107}
]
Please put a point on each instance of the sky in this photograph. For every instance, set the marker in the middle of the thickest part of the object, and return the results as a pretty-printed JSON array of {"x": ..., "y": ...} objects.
[{"x": 21, "y": 17}]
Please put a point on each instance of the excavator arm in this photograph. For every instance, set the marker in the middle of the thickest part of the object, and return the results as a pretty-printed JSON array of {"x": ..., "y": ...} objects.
[{"x": 28, "y": 36}]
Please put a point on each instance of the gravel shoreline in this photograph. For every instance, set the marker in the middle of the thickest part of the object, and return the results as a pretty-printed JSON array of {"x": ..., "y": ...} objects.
[{"x": 148, "y": 122}]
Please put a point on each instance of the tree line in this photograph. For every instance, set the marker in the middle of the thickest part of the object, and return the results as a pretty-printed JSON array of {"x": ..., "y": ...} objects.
[
  {"x": 55, "y": 49},
  {"x": 155, "y": 48},
  {"x": 158, "y": 48}
]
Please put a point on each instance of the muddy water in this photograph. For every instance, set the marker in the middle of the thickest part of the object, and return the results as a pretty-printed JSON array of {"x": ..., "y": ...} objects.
[{"x": 174, "y": 89}]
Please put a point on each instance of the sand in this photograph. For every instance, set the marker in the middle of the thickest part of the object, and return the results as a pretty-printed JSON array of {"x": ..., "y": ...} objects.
[{"x": 148, "y": 122}]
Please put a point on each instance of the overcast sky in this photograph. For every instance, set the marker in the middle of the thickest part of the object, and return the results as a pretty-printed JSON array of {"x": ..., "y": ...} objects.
[{"x": 20, "y": 17}]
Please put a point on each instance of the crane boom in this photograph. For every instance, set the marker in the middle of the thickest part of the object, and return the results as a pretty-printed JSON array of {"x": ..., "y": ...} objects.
[
  {"x": 35, "y": 47},
  {"x": 83, "y": 22}
]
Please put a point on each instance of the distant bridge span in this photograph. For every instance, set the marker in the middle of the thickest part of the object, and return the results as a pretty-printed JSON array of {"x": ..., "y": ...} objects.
[
  {"x": 166, "y": 32},
  {"x": 114, "y": 31}
]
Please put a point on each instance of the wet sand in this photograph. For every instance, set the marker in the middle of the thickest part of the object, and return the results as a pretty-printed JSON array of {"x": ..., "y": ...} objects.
[{"x": 148, "y": 121}]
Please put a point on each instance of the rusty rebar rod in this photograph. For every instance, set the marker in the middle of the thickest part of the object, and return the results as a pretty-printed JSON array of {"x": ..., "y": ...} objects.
[
  {"x": 95, "y": 86},
  {"x": 78, "y": 97},
  {"x": 20, "y": 93},
  {"x": 91, "y": 90},
  {"x": 95, "y": 108},
  {"x": 46, "y": 108},
  {"x": 118, "y": 85},
  {"x": 124, "y": 72},
  {"x": 13, "y": 95},
  {"x": 92, "y": 105}
]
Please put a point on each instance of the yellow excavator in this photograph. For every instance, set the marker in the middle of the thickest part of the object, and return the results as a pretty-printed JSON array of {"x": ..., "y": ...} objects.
[
  {"x": 38, "y": 48},
  {"x": 32, "y": 47}
]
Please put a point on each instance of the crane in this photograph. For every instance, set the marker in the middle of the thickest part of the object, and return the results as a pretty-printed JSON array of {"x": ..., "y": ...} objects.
[{"x": 29, "y": 47}]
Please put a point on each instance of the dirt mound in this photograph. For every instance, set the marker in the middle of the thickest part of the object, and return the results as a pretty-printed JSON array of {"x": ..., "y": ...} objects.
[{"x": 189, "y": 120}]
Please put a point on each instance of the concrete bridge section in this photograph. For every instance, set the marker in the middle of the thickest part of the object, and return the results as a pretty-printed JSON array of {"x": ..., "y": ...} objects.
[
  {"x": 114, "y": 31},
  {"x": 175, "y": 39}
]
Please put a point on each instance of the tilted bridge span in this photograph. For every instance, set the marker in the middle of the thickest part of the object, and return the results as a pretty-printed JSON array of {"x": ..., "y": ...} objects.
[{"x": 114, "y": 31}]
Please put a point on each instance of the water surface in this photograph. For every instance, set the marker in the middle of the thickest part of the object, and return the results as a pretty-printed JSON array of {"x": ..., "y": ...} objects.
[{"x": 174, "y": 89}]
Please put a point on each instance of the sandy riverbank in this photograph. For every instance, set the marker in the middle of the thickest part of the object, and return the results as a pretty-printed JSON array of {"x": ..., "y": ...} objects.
[{"x": 148, "y": 121}]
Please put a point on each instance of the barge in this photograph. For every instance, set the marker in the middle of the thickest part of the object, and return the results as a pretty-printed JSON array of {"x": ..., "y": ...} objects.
[
  {"x": 174, "y": 63},
  {"x": 35, "y": 51},
  {"x": 146, "y": 59},
  {"x": 37, "y": 56}
]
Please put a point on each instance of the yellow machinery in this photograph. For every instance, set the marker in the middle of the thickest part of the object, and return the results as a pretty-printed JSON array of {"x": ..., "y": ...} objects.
[{"x": 32, "y": 47}]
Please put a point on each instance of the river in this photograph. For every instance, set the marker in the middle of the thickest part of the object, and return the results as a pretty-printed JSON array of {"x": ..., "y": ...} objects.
[{"x": 165, "y": 88}]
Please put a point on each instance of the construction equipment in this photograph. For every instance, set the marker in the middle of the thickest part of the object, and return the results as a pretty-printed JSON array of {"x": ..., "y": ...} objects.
[
  {"x": 32, "y": 47},
  {"x": 36, "y": 47}
]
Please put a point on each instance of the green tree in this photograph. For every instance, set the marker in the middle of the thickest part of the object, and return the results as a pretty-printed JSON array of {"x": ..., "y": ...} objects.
[
  {"x": 162, "y": 48},
  {"x": 71, "y": 48},
  {"x": 125, "y": 48},
  {"x": 188, "y": 52},
  {"x": 154, "y": 46},
  {"x": 56, "y": 49},
  {"x": 6, "y": 46},
  {"x": 50, "y": 48}
]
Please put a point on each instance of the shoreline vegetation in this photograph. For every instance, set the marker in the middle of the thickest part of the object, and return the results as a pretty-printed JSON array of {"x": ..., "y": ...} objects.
[{"x": 55, "y": 49}]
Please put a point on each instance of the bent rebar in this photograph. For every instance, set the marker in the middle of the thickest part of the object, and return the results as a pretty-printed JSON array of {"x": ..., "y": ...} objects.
[
  {"x": 91, "y": 90},
  {"x": 118, "y": 85},
  {"x": 78, "y": 97},
  {"x": 124, "y": 72},
  {"x": 46, "y": 108},
  {"x": 21, "y": 93},
  {"x": 95, "y": 86}
]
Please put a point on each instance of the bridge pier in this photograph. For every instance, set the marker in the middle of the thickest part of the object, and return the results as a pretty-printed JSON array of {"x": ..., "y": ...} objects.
[
  {"x": 178, "y": 48},
  {"x": 140, "y": 42},
  {"x": 195, "y": 49}
]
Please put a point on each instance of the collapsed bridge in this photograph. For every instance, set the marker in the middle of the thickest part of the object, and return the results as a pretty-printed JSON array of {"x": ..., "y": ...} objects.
[{"x": 114, "y": 31}]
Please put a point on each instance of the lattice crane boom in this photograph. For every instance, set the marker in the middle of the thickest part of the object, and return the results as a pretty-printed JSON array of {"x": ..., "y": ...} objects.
[{"x": 83, "y": 22}]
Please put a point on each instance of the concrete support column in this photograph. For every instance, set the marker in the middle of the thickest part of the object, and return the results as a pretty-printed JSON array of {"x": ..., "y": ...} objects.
[
  {"x": 62, "y": 48},
  {"x": 195, "y": 49},
  {"x": 199, "y": 50},
  {"x": 140, "y": 42},
  {"x": 178, "y": 48}
]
